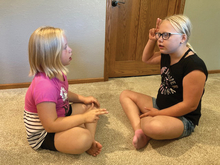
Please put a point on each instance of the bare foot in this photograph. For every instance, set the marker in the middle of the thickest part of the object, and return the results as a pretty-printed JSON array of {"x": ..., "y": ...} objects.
[
  {"x": 95, "y": 149},
  {"x": 140, "y": 140}
]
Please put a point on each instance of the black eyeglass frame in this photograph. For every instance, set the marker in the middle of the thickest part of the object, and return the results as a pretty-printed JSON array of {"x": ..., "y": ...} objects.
[{"x": 162, "y": 34}]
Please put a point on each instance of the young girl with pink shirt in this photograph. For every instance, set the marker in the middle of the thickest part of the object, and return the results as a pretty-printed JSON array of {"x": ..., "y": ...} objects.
[{"x": 51, "y": 121}]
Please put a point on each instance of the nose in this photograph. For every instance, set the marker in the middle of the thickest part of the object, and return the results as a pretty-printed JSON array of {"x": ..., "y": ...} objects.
[
  {"x": 70, "y": 50},
  {"x": 160, "y": 39}
]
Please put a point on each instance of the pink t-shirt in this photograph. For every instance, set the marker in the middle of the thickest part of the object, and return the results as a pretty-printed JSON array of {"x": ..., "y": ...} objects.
[{"x": 43, "y": 89}]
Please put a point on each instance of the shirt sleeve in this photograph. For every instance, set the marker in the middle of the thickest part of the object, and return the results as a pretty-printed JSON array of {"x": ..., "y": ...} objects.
[
  {"x": 45, "y": 91},
  {"x": 195, "y": 63}
]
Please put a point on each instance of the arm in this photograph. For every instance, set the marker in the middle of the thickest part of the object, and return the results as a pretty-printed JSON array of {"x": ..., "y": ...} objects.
[
  {"x": 193, "y": 85},
  {"x": 52, "y": 123},
  {"x": 149, "y": 55}
]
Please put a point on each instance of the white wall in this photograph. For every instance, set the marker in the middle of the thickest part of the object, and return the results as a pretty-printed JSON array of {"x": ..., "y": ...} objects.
[
  {"x": 83, "y": 21},
  {"x": 205, "y": 18}
]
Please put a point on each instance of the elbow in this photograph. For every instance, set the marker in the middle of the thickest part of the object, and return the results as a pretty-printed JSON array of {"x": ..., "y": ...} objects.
[
  {"x": 192, "y": 107},
  {"x": 49, "y": 130},
  {"x": 146, "y": 61},
  {"x": 187, "y": 107}
]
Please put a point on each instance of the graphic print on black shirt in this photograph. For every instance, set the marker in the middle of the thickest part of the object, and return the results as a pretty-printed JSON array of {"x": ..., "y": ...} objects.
[{"x": 168, "y": 85}]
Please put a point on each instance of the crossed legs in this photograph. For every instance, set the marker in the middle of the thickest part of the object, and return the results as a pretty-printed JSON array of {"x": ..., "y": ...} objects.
[
  {"x": 158, "y": 127},
  {"x": 78, "y": 139},
  {"x": 82, "y": 138}
]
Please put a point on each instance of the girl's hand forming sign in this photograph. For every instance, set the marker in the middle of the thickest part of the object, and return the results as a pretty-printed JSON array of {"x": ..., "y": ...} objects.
[{"x": 153, "y": 31}]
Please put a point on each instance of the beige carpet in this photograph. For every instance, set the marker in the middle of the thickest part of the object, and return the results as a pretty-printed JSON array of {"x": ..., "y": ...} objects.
[{"x": 114, "y": 131}]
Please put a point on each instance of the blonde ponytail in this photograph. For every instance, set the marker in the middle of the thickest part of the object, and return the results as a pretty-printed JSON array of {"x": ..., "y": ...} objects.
[{"x": 190, "y": 46}]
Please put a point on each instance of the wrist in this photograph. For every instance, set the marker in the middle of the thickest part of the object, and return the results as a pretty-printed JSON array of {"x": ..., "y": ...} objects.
[
  {"x": 82, "y": 99},
  {"x": 83, "y": 117},
  {"x": 153, "y": 40}
]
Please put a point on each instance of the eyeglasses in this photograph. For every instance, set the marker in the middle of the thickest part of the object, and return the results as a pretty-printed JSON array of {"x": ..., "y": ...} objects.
[{"x": 165, "y": 35}]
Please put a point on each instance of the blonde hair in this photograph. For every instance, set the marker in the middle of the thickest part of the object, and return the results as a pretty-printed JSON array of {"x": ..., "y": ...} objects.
[
  {"x": 45, "y": 50},
  {"x": 181, "y": 24}
]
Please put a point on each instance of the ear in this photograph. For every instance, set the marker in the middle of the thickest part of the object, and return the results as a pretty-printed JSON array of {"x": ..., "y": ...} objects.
[{"x": 184, "y": 38}]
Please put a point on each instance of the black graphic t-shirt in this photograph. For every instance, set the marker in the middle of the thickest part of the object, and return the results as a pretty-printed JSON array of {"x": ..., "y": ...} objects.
[{"x": 171, "y": 88}]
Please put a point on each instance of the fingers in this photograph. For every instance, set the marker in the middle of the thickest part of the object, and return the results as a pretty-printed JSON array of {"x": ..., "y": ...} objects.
[
  {"x": 146, "y": 113},
  {"x": 152, "y": 32},
  {"x": 101, "y": 111},
  {"x": 158, "y": 23},
  {"x": 97, "y": 103},
  {"x": 97, "y": 118},
  {"x": 91, "y": 107},
  {"x": 143, "y": 115},
  {"x": 92, "y": 116}
]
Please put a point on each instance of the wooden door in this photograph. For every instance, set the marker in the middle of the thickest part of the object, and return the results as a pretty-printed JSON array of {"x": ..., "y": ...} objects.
[{"x": 127, "y": 27}]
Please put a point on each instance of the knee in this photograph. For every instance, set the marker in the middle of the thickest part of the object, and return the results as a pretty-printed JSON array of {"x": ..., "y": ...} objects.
[
  {"x": 153, "y": 129},
  {"x": 87, "y": 107},
  {"x": 86, "y": 136},
  {"x": 124, "y": 94},
  {"x": 85, "y": 141},
  {"x": 74, "y": 141},
  {"x": 84, "y": 108}
]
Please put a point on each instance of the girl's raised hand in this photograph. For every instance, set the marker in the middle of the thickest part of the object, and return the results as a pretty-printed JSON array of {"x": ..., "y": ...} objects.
[{"x": 153, "y": 31}]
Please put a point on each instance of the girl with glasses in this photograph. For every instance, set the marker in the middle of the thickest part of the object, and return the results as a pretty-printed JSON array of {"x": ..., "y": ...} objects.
[{"x": 176, "y": 110}]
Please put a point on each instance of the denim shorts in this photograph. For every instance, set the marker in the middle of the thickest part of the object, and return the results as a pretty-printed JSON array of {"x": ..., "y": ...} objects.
[{"x": 188, "y": 125}]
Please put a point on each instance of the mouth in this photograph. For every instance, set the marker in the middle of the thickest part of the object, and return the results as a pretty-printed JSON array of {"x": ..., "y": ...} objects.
[
  {"x": 161, "y": 46},
  {"x": 70, "y": 58}
]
